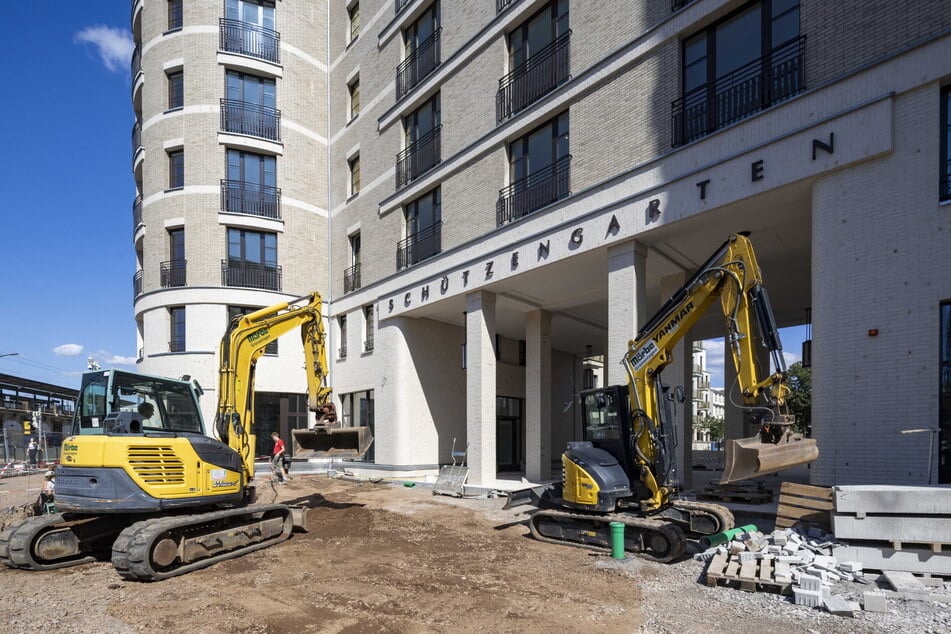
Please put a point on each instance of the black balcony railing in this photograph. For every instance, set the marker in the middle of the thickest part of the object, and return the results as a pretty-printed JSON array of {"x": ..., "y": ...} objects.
[
  {"x": 401, "y": 4},
  {"x": 239, "y": 197},
  {"x": 539, "y": 75},
  {"x": 418, "y": 158},
  {"x": 420, "y": 63},
  {"x": 137, "y": 284},
  {"x": 136, "y": 62},
  {"x": 679, "y": 4},
  {"x": 244, "y": 38},
  {"x": 368, "y": 344},
  {"x": 761, "y": 83},
  {"x": 502, "y": 5},
  {"x": 419, "y": 246},
  {"x": 351, "y": 278},
  {"x": 173, "y": 273},
  {"x": 250, "y": 275},
  {"x": 136, "y": 138},
  {"x": 242, "y": 117},
  {"x": 342, "y": 352},
  {"x": 136, "y": 212},
  {"x": 534, "y": 192},
  {"x": 176, "y": 345}
]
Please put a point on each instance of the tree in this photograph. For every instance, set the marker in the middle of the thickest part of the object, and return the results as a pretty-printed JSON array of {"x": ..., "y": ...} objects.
[
  {"x": 800, "y": 397},
  {"x": 715, "y": 427}
]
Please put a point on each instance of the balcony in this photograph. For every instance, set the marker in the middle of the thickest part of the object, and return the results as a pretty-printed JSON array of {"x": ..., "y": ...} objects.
[
  {"x": 419, "y": 246},
  {"x": 244, "y": 38},
  {"x": 242, "y": 117},
  {"x": 538, "y": 76},
  {"x": 136, "y": 213},
  {"x": 401, "y": 4},
  {"x": 137, "y": 284},
  {"x": 676, "y": 5},
  {"x": 534, "y": 192},
  {"x": 418, "y": 158},
  {"x": 176, "y": 345},
  {"x": 136, "y": 62},
  {"x": 173, "y": 273},
  {"x": 252, "y": 199},
  {"x": 420, "y": 63},
  {"x": 136, "y": 139},
  {"x": 749, "y": 89},
  {"x": 351, "y": 278},
  {"x": 342, "y": 352},
  {"x": 250, "y": 275},
  {"x": 368, "y": 344},
  {"x": 502, "y": 5}
]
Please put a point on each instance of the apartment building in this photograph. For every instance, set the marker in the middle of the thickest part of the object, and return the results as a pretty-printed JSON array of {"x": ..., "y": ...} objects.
[{"x": 491, "y": 195}]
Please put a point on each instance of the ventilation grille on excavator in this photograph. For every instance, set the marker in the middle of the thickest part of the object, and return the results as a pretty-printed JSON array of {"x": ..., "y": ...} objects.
[{"x": 156, "y": 465}]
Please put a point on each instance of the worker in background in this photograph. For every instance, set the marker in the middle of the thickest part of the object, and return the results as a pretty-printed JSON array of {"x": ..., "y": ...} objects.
[
  {"x": 277, "y": 461},
  {"x": 49, "y": 487},
  {"x": 31, "y": 451}
]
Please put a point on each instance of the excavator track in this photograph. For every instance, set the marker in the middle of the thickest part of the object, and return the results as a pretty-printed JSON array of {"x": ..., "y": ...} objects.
[
  {"x": 55, "y": 541},
  {"x": 651, "y": 538},
  {"x": 163, "y": 547},
  {"x": 698, "y": 518}
]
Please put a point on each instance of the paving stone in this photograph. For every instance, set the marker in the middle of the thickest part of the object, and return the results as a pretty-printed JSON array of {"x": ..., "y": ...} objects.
[
  {"x": 836, "y": 604},
  {"x": 875, "y": 602},
  {"x": 810, "y": 598}
]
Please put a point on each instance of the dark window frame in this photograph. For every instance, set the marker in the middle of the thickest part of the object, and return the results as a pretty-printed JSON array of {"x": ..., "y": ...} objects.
[
  {"x": 176, "y": 168},
  {"x": 175, "y": 15},
  {"x": 176, "y": 89},
  {"x": 944, "y": 184},
  {"x": 353, "y": 17},
  {"x": 353, "y": 164},
  {"x": 177, "y": 329},
  {"x": 353, "y": 88},
  {"x": 239, "y": 311},
  {"x": 369, "y": 330},
  {"x": 944, "y": 393},
  {"x": 342, "y": 326},
  {"x": 243, "y": 236}
]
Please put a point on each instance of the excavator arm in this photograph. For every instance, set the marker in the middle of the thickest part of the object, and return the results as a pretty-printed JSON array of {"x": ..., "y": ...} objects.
[
  {"x": 733, "y": 276},
  {"x": 241, "y": 346}
]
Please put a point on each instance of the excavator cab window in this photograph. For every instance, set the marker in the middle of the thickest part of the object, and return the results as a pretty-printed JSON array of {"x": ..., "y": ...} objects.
[{"x": 601, "y": 416}]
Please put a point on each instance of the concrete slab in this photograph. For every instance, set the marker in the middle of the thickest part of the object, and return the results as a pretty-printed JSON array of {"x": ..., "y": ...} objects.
[
  {"x": 892, "y": 499},
  {"x": 877, "y": 557},
  {"x": 874, "y": 602},
  {"x": 891, "y": 528}
]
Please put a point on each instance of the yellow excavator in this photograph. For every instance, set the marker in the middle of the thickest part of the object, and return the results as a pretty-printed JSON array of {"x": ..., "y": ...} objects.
[
  {"x": 624, "y": 470},
  {"x": 139, "y": 480}
]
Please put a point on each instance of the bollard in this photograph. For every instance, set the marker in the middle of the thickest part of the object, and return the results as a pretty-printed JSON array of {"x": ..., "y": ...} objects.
[
  {"x": 709, "y": 541},
  {"x": 617, "y": 540}
]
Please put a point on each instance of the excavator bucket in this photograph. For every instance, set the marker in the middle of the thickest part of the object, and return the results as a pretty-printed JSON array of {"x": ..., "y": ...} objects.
[
  {"x": 751, "y": 457},
  {"x": 346, "y": 443}
]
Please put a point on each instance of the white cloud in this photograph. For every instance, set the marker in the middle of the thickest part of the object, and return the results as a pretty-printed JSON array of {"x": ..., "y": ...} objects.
[
  {"x": 113, "y": 44},
  {"x": 68, "y": 350},
  {"x": 118, "y": 360},
  {"x": 791, "y": 358}
]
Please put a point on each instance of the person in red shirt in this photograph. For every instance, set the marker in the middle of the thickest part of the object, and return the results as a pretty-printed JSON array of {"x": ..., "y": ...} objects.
[{"x": 277, "y": 466}]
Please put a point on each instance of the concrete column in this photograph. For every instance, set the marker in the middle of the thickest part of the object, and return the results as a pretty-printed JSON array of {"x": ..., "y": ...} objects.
[
  {"x": 538, "y": 395},
  {"x": 627, "y": 264},
  {"x": 480, "y": 386},
  {"x": 678, "y": 373}
]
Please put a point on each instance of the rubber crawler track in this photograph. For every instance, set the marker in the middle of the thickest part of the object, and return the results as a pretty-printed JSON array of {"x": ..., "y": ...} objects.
[
  {"x": 650, "y": 531},
  {"x": 132, "y": 550},
  {"x": 16, "y": 544},
  {"x": 722, "y": 515}
]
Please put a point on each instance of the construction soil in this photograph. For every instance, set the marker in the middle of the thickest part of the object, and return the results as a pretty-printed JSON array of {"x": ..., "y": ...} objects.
[{"x": 383, "y": 557}]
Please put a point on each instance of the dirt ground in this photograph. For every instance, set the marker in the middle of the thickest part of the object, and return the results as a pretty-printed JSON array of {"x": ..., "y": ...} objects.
[{"x": 382, "y": 557}]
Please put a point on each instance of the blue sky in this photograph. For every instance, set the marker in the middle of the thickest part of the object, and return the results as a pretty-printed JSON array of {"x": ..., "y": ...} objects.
[
  {"x": 68, "y": 193},
  {"x": 67, "y": 189}
]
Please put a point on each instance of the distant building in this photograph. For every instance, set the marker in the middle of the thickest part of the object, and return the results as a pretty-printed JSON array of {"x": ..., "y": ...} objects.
[
  {"x": 707, "y": 400},
  {"x": 34, "y": 409}
]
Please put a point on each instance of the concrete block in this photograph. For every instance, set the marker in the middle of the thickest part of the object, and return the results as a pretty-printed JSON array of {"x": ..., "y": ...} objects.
[
  {"x": 810, "y": 598},
  {"x": 874, "y": 602},
  {"x": 775, "y": 550},
  {"x": 824, "y": 561},
  {"x": 746, "y": 557},
  {"x": 780, "y": 538},
  {"x": 837, "y": 605},
  {"x": 736, "y": 547},
  {"x": 810, "y": 582},
  {"x": 791, "y": 559},
  {"x": 893, "y": 528},
  {"x": 893, "y": 500},
  {"x": 850, "y": 566},
  {"x": 807, "y": 556},
  {"x": 904, "y": 581}
]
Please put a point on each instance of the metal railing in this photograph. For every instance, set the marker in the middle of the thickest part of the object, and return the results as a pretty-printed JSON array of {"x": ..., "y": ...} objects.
[
  {"x": 419, "y": 246},
  {"x": 351, "y": 278},
  {"x": 761, "y": 83},
  {"x": 537, "y": 76},
  {"x": 244, "y": 38},
  {"x": 250, "y": 275},
  {"x": 137, "y": 284},
  {"x": 401, "y": 4},
  {"x": 239, "y": 197},
  {"x": 136, "y": 138},
  {"x": 141, "y": 354},
  {"x": 418, "y": 65},
  {"x": 679, "y": 4},
  {"x": 342, "y": 352},
  {"x": 502, "y": 5},
  {"x": 368, "y": 344},
  {"x": 136, "y": 62},
  {"x": 176, "y": 345},
  {"x": 534, "y": 192},
  {"x": 242, "y": 117},
  {"x": 418, "y": 158},
  {"x": 136, "y": 213},
  {"x": 173, "y": 273}
]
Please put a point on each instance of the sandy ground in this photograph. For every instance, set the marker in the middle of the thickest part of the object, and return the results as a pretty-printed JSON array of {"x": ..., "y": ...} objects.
[{"x": 382, "y": 557}]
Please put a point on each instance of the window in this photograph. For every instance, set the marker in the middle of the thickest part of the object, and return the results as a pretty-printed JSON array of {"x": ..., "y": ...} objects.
[
  {"x": 944, "y": 379},
  {"x": 177, "y": 331},
  {"x": 174, "y": 14},
  {"x": 260, "y": 12},
  {"x": 251, "y": 184},
  {"x": 356, "y": 410},
  {"x": 538, "y": 170},
  {"x": 354, "y": 165},
  {"x": 342, "y": 323},
  {"x": 176, "y": 169},
  {"x": 353, "y": 13},
  {"x": 252, "y": 260},
  {"x": 251, "y": 89},
  {"x": 176, "y": 90},
  {"x": 238, "y": 311},
  {"x": 252, "y": 169},
  {"x": 538, "y": 32},
  {"x": 421, "y": 51},
  {"x": 423, "y": 230},
  {"x": 351, "y": 276},
  {"x": 368, "y": 335},
  {"x": 354, "y": 88},
  {"x": 173, "y": 271},
  {"x": 946, "y": 143},
  {"x": 422, "y": 142},
  {"x": 250, "y": 106},
  {"x": 743, "y": 63}
]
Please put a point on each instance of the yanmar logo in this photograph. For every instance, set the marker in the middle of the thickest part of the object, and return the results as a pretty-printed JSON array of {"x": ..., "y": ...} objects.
[{"x": 676, "y": 319}]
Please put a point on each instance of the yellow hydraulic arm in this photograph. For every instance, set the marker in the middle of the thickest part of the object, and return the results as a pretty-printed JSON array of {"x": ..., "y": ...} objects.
[
  {"x": 733, "y": 275},
  {"x": 243, "y": 343}
]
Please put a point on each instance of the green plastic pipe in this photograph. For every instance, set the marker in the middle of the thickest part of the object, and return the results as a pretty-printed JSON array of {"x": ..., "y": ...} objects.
[
  {"x": 617, "y": 540},
  {"x": 709, "y": 541}
]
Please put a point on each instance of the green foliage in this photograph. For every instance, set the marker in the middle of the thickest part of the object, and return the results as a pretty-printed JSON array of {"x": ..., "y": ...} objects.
[
  {"x": 716, "y": 427},
  {"x": 800, "y": 399}
]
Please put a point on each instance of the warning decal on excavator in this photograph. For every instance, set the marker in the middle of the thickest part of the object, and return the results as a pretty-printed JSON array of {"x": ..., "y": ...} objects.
[{"x": 645, "y": 354}]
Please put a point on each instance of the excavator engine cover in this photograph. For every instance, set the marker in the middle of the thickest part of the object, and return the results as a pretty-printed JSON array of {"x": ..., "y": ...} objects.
[
  {"x": 346, "y": 443},
  {"x": 751, "y": 457}
]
